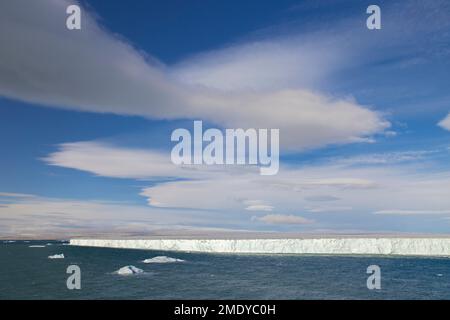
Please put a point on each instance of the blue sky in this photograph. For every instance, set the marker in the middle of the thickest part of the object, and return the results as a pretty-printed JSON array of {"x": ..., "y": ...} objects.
[{"x": 86, "y": 116}]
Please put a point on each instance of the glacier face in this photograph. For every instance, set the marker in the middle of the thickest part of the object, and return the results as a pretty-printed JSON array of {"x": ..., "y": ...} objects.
[{"x": 367, "y": 246}]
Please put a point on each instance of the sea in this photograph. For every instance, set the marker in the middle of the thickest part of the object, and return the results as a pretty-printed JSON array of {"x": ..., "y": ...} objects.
[{"x": 27, "y": 272}]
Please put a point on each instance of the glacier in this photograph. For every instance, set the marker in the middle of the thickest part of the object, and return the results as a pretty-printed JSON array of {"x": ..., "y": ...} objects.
[{"x": 327, "y": 246}]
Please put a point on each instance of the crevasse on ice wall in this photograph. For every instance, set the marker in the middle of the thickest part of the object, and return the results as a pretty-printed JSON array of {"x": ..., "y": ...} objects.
[{"x": 369, "y": 246}]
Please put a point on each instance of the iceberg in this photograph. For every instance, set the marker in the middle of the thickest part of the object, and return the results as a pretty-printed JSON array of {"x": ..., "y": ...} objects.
[
  {"x": 57, "y": 256},
  {"x": 162, "y": 259},
  {"x": 129, "y": 270},
  {"x": 412, "y": 246}
]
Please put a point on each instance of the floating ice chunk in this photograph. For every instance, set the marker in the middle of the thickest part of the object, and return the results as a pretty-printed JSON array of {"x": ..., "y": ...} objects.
[
  {"x": 9, "y": 241},
  {"x": 129, "y": 270},
  {"x": 36, "y": 246},
  {"x": 162, "y": 259},
  {"x": 57, "y": 256},
  {"x": 439, "y": 274}
]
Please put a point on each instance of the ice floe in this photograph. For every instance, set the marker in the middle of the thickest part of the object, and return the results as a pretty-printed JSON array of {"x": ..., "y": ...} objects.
[
  {"x": 162, "y": 259},
  {"x": 57, "y": 256},
  {"x": 129, "y": 270},
  {"x": 36, "y": 246}
]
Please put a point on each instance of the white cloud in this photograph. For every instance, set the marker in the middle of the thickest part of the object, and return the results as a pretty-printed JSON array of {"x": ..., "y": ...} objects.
[
  {"x": 328, "y": 209},
  {"x": 282, "y": 63},
  {"x": 284, "y": 219},
  {"x": 356, "y": 190},
  {"x": 387, "y": 158},
  {"x": 259, "y": 207},
  {"x": 445, "y": 123},
  {"x": 413, "y": 212},
  {"x": 52, "y": 217},
  {"x": 267, "y": 83},
  {"x": 109, "y": 161},
  {"x": 211, "y": 197},
  {"x": 15, "y": 195},
  {"x": 322, "y": 198},
  {"x": 93, "y": 70}
]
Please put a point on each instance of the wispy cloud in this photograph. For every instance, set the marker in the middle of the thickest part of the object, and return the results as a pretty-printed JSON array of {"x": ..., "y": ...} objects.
[
  {"x": 284, "y": 219},
  {"x": 386, "y": 158},
  {"x": 102, "y": 73},
  {"x": 328, "y": 209},
  {"x": 109, "y": 161},
  {"x": 361, "y": 189},
  {"x": 413, "y": 212},
  {"x": 15, "y": 195},
  {"x": 277, "y": 63},
  {"x": 271, "y": 82},
  {"x": 39, "y": 217},
  {"x": 445, "y": 123},
  {"x": 257, "y": 205}
]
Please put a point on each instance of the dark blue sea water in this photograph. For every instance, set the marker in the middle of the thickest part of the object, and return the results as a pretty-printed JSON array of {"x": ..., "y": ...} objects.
[{"x": 27, "y": 273}]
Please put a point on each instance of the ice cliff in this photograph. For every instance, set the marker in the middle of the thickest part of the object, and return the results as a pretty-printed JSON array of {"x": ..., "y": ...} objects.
[{"x": 367, "y": 246}]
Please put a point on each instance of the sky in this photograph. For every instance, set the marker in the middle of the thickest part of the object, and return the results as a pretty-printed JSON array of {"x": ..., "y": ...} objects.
[{"x": 86, "y": 116}]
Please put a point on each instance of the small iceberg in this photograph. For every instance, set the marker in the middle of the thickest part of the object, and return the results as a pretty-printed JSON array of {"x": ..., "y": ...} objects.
[
  {"x": 57, "y": 256},
  {"x": 129, "y": 270},
  {"x": 36, "y": 246},
  {"x": 9, "y": 241},
  {"x": 162, "y": 259}
]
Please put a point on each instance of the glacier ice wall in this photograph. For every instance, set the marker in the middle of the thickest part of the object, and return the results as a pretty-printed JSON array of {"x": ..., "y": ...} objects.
[{"x": 367, "y": 246}]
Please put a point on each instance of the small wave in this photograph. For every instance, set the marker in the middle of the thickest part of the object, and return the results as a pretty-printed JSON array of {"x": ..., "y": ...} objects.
[
  {"x": 57, "y": 256},
  {"x": 162, "y": 259},
  {"x": 129, "y": 270}
]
